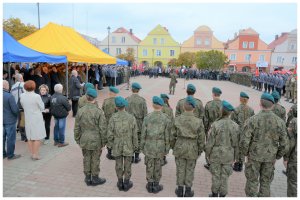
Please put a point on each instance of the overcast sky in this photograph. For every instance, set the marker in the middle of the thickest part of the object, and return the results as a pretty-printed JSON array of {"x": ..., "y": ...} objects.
[{"x": 224, "y": 19}]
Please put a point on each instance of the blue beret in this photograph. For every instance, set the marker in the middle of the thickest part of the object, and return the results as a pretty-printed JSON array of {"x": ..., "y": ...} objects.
[
  {"x": 92, "y": 92},
  {"x": 136, "y": 86},
  {"x": 227, "y": 106},
  {"x": 216, "y": 90},
  {"x": 164, "y": 96},
  {"x": 190, "y": 100},
  {"x": 244, "y": 95},
  {"x": 89, "y": 85},
  {"x": 120, "y": 102},
  {"x": 191, "y": 87},
  {"x": 267, "y": 97},
  {"x": 114, "y": 89},
  {"x": 275, "y": 95},
  {"x": 157, "y": 100}
]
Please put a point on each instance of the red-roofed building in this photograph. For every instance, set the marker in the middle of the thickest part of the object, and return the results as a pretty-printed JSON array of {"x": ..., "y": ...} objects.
[
  {"x": 284, "y": 51},
  {"x": 119, "y": 41}
]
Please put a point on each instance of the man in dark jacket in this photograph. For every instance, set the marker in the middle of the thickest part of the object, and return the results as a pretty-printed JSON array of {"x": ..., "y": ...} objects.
[
  {"x": 54, "y": 78},
  {"x": 59, "y": 108},
  {"x": 10, "y": 116},
  {"x": 75, "y": 87}
]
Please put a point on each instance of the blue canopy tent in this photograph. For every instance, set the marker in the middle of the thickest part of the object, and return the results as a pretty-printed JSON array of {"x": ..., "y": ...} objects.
[
  {"x": 119, "y": 61},
  {"x": 13, "y": 51}
]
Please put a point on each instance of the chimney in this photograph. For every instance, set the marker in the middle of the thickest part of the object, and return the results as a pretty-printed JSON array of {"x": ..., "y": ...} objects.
[
  {"x": 130, "y": 30},
  {"x": 276, "y": 37}
]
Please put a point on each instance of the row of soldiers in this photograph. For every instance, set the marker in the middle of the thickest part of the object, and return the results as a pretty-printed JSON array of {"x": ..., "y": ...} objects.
[{"x": 226, "y": 134}]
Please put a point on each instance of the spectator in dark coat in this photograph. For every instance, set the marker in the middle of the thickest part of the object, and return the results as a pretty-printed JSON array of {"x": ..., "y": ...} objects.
[
  {"x": 47, "y": 78},
  {"x": 74, "y": 92},
  {"x": 46, "y": 98},
  {"x": 38, "y": 79},
  {"x": 54, "y": 78}
]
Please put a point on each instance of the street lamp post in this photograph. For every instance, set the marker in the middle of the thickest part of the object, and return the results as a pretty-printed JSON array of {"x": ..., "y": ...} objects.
[
  {"x": 38, "y": 6},
  {"x": 108, "y": 32}
]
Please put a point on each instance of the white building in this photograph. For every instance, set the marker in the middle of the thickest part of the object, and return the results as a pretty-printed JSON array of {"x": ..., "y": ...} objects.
[
  {"x": 119, "y": 41},
  {"x": 284, "y": 51}
]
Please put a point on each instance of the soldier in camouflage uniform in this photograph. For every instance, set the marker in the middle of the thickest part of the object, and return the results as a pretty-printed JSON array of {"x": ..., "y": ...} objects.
[
  {"x": 212, "y": 113},
  {"x": 127, "y": 77},
  {"x": 288, "y": 88},
  {"x": 173, "y": 82},
  {"x": 83, "y": 99},
  {"x": 199, "y": 109},
  {"x": 239, "y": 116},
  {"x": 138, "y": 108},
  {"x": 169, "y": 112},
  {"x": 263, "y": 140},
  {"x": 109, "y": 108},
  {"x": 155, "y": 144},
  {"x": 290, "y": 158},
  {"x": 220, "y": 149},
  {"x": 293, "y": 88},
  {"x": 187, "y": 142},
  {"x": 278, "y": 109},
  {"x": 123, "y": 140},
  {"x": 291, "y": 114},
  {"x": 90, "y": 134}
]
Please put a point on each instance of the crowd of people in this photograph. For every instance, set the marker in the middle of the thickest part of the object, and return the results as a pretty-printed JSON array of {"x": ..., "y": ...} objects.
[{"x": 230, "y": 137}]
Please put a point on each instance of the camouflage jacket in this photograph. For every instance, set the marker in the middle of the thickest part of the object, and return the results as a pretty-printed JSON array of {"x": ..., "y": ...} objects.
[
  {"x": 198, "y": 111},
  {"x": 173, "y": 77},
  {"x": 264, "y": 137},
  {"x": 83, "y": 101},
  {"x": 291, "y": 114},
  {"x": 168, "y": 111},
  {"x": 109, "y": 107},
  {"x": 138, "y": 108},
  {"x": 280, "y": 111},
  {"x": 222, "y": 144},
  {"x": 212, "y": 112},
  {"x": 241, "y": 114},
  {"x": 122, "y": 134},
  {"x": 90, "y": 127},
  {"x": 187, "y": 137},
  {"x": 291, "y": 155},
  {"x": 155, "y": 141}
]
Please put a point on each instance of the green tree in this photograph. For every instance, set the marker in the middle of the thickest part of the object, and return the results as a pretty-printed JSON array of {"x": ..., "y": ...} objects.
[
  {"x": 186, "y": 58},
  {"x": 173, "y": 62},
  {"x": 212, "y": 59},
  {"x": 129, "y": 55},
  {"x": 17, "y": 29}
]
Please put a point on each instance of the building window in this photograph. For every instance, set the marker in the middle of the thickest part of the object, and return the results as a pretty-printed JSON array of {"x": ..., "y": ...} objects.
[
  {"x": 262, "y": 58},
  {"x": 294, "y": 60},
  {"x": 232, "y": 56},
  {"x": 162, "y": 41},
  {"x": 158, "y": 52},
  {"x": 251, "y": 45},
  {"x": 279, "y": 58},
  {"x": 145, "y": 52},
  {"x": 154, "y": 41},
  {"x": 247, "y": 57},
  {"x": 245, "y": 45},
  {"x": 113, "y": 39},
  {"x": 119, "y": 51},
  {"x": 172, "y": 52},
  {"x": 206, "y": 42},
  {"x": 293, "y": 46},
  {"x": 198, "y": 41},
  {"x": 123, "y": 40}
]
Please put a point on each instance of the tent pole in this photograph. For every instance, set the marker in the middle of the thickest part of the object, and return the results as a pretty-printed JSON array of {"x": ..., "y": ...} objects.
[{"x": 67, "y": 79}]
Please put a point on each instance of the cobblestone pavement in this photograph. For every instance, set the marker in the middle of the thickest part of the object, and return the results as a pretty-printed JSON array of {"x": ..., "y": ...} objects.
[{"x": 60, "y": 172}]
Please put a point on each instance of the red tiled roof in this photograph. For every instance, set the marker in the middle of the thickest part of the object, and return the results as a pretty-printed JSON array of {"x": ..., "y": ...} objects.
[
  {"x": 124, "y": 30},
  {"x": 280, "y": 40}
]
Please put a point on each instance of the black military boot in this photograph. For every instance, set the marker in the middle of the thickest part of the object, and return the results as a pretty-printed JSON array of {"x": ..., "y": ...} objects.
[
  {"x": 213, "y": 195},
  {"x": 97, "y": 181},
  {"x": 240, "y": 166},
  {"x": 127, "y": 184},
  {"x": 179, "y": 191},
  {"x": 149, "y": 187},
  {"x": 207, "y": 166},
  {"x": 188, "y": 192},
  {"x": 222, "y": 195},
  {"x": 108, "y": 155},
  {"x": 88, "y": 179},
  {"x": 120, "y": 184},
  {"x": 236, "y": 166},
  {"x": 132, "y": 159},
  {"x": 137, "y": 159},
  {"x": 157, "y": 188}
]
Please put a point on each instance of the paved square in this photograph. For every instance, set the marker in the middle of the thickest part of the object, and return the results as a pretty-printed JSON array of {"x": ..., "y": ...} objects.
[{"x": 60, "y": 172}]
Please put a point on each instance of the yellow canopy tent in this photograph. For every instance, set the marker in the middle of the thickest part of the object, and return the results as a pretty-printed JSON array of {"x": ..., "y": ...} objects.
[{"x": 60, "y": 40}]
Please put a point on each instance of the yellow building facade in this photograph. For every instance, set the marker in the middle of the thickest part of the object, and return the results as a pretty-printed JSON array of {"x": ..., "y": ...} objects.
[{"x": 158, "y": 48}]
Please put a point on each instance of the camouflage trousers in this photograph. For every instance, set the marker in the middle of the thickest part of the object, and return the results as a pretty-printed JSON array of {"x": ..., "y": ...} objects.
[
  {"x": 292, "y": 180},
  {"x": 258, "y": 174},
  {"x": 139, "y": 140},
  {"x": 123, "y": 167},
  {"x": 185, "y": 171},
  {"x": 220, "y": 174},
  {"x": 172, "y": 88},
  {"x": 91, "y": 161},
  {"x": 153, "y": 169}
]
